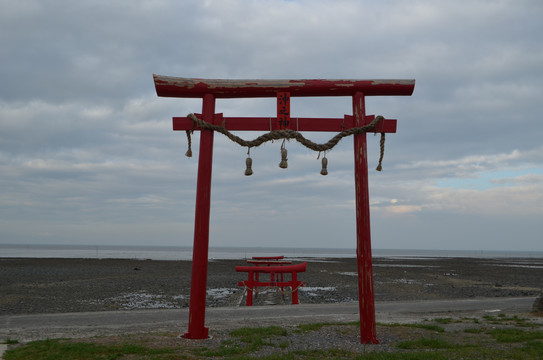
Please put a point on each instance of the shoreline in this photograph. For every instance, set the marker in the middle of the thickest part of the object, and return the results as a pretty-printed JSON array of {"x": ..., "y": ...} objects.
[
  {"x": 135, "y": 252},
  {"x": 58, "y": 285}
]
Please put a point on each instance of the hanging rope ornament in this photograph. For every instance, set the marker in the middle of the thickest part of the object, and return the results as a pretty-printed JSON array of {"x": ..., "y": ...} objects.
[
  {"x": 283, "y": 164},
  {"x": 382, "y": 152},
  {"x": 189, "y": 150},
  {"x": 248, "y": 164},
  {"x": 324, "y": 170},
  {"x": 289, "y": 134}
]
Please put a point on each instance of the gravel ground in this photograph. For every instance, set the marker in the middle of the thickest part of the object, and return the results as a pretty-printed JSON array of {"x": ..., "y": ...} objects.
[{"x": 75, "y": 285}]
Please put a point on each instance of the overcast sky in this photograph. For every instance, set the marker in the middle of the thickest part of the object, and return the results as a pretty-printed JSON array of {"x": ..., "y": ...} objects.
[{"x": 88, "y": 155}]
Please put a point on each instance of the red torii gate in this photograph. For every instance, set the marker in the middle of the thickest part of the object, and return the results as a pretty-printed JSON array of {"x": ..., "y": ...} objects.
[{"x": 211, "y": 89}]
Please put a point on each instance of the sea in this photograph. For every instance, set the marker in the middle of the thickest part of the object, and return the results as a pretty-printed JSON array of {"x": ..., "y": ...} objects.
[{"x": 185, "y": 252}]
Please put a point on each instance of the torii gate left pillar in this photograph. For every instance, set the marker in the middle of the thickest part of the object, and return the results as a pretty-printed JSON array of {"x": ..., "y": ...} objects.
[{"x": 209, "y": 90}]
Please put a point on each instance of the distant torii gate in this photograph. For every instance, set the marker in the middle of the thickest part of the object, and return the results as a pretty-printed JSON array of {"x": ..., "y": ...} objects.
[{"x": 209, "y": 90}]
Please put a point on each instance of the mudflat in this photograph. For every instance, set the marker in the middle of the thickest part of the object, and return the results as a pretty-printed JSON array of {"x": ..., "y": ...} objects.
[{"x": 49, "y": 285}]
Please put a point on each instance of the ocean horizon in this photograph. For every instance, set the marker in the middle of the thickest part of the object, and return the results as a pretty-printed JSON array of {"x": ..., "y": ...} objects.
[{"x": 185, "y": 252}]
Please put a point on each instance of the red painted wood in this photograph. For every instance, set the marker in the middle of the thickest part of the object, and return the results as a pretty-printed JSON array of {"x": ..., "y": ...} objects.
[
  {"x": 299, "y": 124},
  {"x": 253, "y": 282},
  {"x": 272, "y": 282},
  {"x": 268, "y": 262},
  {"x": 363, "y": 234},
  {"x": 294, "y": 287},
  {"x": 273, "y": 269},
  {"x": 169, "y": 86},
  {"x": 200, "y": 251},
  {"x": 278, "y": 257}
]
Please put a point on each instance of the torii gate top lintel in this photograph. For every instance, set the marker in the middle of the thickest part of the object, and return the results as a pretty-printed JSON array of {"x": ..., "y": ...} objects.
[{"x": 168, "y": 86}]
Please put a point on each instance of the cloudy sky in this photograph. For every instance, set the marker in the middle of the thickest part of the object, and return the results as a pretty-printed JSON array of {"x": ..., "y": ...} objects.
[{"x": 88, "y": 156}]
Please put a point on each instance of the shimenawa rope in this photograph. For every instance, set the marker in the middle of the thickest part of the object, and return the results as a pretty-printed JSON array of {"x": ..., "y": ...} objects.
[{"x": 288, "y": 134}]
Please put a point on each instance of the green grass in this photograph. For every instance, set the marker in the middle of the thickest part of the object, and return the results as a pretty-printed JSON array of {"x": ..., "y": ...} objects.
[
  {"x": 445, "y": 320},
  {"x": 534, "y": 348},
  {"x": 515, "y": 335},
  {"x": 426, "y": 343},
  {"x": 431, "y": 327},
  {"x": 247, "y": 340},
  {"x": 58, "y": 349},
  {"x": 301, "y": 328},
  {"x": 249, "y": 334},
  {"x": 508, "y": 338},
  {"x": 502, "y": 319},
  {"x": 474, "y": 330}
]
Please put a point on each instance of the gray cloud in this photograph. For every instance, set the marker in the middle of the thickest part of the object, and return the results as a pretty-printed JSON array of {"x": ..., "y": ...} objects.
[{"x": 87, "y": 154}]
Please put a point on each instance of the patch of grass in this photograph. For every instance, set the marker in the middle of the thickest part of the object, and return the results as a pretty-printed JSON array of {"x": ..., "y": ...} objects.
[
  {"x": 61, "y": 349},
  {"x": 492, "y": 319},
  {"x": 11, "y": 341},
  {"x": 515, "y": 335},
  {"x": 247, "y": 334},
  {"x": 283, "y": 344},
  {"x": 223, "y": 351},
  {"x": 330, "y": 353},
  {"x": 318, "y": 354},
  {"x": 474, "y": 330},
  {"x": 533, "y": 348},
  {"x": 444, "y": 320},
  {"x": 419, "y": 355},
  {"x": 246, "y": 340},
  {"x": 301, "y": 328},
  {"x": 504, "y": 319},
  {"x": 426, "y": 343},
  {"x": 431, "y": 327},
  {"x": 373, "y": 355},
  {"x": 479, "y": 352},
  {"x": 310, "y": 327}
]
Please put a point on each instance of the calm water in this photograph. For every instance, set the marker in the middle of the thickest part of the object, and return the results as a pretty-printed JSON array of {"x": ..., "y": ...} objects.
[{"x": 185, "y": 253}]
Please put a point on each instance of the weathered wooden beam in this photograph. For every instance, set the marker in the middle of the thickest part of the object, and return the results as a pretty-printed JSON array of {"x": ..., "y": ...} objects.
[
  {"x": 200, "y": 249},
  {"x": 299, "y": 124},
  {"x": 273, "y": 269},
  {"x": 366, "y": 302},
  {"x": 169, "y": 86}
]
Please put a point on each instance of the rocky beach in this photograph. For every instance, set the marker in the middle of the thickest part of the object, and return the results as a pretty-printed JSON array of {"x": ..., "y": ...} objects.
[{"x": 49, "y": 285}]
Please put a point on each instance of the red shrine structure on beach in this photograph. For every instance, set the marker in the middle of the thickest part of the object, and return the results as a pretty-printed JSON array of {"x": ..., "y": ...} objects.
[{"x": 210, "y": 90}]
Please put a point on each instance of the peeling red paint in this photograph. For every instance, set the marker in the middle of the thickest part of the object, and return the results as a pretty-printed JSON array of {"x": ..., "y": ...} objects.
[{"x": 168, "y": 86}]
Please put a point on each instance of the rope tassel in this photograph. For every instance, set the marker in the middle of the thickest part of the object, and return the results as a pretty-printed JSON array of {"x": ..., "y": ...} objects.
[
  {"x": 324, "y": 170},
  {"x": 283, "y": 164},
  {"x": 382, "y": 153},
  {"x": 249, "y": 164},
  {"x": 189, "y": 151}
]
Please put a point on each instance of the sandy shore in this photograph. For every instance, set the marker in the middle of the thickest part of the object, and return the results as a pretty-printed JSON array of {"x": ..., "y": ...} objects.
[{"x": 74, "y": 285}]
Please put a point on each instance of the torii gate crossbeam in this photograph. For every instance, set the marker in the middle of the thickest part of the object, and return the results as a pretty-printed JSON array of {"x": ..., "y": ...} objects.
[{"x": 209, "y": 90}]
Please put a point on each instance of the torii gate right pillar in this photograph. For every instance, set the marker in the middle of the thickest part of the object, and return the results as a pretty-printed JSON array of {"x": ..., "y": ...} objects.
[{"x": 366, "y": 302}]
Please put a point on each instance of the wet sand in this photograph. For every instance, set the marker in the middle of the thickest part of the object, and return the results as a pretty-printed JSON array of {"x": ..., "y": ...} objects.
[{"x": 74, "y": 285}]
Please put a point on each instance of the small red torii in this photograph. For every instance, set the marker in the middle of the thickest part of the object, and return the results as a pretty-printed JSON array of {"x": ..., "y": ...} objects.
[
  {"x": 211, "y": 89},
  {"x": 276, "y": 278}
]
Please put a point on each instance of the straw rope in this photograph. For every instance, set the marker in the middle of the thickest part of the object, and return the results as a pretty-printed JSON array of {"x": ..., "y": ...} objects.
[{"x": 289, "y": 134}]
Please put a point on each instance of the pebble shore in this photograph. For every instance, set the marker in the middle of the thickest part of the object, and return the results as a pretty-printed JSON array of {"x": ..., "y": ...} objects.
[{"x": 46, "y": 285}]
